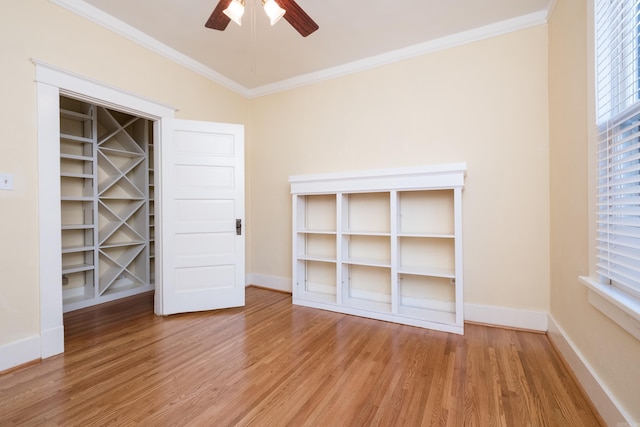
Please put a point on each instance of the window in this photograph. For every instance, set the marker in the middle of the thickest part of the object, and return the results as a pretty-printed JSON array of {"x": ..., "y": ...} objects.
[{"x": 617, "y": 36}]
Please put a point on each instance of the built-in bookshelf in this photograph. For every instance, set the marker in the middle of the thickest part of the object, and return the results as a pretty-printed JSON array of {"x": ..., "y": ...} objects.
[{"x": 384, "y": 244}]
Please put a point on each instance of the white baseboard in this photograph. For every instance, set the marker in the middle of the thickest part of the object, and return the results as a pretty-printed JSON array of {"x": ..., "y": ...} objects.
[
  {"x": 270, "y": 282},
  {"x": 19, "y": 352},
  {"x": 607, "y": 406},
  {"x": 491, "y": 315},
  {"x": 52, "y": 342},
  {"x": 504, "y": 316}
]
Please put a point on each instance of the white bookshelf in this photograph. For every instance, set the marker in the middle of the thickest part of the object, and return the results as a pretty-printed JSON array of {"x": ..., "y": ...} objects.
[{"x": 384, "y": 244}]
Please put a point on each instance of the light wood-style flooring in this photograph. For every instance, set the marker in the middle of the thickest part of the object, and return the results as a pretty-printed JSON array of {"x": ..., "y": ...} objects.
[{"x": 275, "y": 364}]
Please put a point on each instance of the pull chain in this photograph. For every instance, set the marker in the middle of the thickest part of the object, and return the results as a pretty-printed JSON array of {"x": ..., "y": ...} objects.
[{"x": 254, "y": 39}]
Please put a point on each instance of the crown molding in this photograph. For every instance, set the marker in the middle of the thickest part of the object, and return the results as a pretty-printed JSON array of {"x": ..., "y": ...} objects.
[
  {"x": 551, "y": 7},
  {"x": 117, "y": 26},
  {"x": 447, "y": 42}
]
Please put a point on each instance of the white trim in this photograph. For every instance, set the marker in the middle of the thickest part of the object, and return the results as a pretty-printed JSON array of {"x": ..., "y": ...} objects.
[
  {"x": 450, "y": 175},
  {"x": 490, "y": 315},
  {"x": 107, "y": 21},
  {"x": 446, "y": 42},
  {"x": 435, "y": 169},
  {"x": 615, "y": 304},
  {"x": 85, "y": 10},
  {"x": 100, "y": 93},
  {"x": 270, "y": 282},
  {"x": 49, "y": 223},
  {"x": 505, "y": 316},
  {"x": 605, "y": 403},
  {"x": 19, "y": 352}
]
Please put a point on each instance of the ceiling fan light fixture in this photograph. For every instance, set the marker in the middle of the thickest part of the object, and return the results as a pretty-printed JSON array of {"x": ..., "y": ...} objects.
[
  {"x": 235, "y": 10},
  {"x": 227, "y": 10},
  {"x": 273, "y": 10}
]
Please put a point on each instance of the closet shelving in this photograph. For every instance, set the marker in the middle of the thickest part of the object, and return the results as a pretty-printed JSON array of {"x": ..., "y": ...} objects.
[
  {"x": 152, "y": 218},
  {"x": 384, "y": 244},
  {"x": 77, "y": 180},
  {"x": 104, "y": 176}
]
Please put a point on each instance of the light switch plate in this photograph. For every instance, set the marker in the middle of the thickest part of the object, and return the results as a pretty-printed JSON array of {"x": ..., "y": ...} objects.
[{"x": 6, "y": 181}]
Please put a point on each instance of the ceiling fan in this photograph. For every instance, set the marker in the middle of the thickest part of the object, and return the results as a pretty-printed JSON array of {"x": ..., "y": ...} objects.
[{"x": 227, "y": 10}]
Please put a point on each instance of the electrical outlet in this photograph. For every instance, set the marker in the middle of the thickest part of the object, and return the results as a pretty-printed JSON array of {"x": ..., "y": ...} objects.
[{"x": 6, "y": 181}]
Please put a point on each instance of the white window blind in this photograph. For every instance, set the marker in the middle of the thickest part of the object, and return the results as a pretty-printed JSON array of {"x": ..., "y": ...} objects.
[{"x": 618, "y": 116}]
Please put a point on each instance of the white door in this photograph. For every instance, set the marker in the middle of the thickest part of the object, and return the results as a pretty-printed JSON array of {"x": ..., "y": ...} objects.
[{"x": 201, "y": 211}]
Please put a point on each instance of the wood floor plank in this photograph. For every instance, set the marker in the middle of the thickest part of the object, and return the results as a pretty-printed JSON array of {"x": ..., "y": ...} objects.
[{"x": 274, "y": 364}]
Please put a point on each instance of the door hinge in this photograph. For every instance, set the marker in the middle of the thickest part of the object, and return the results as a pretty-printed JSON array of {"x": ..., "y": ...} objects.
[{"x": 238, "y": 227}]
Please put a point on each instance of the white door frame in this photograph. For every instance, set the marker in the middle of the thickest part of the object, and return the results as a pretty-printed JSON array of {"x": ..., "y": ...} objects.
[{"x": 52, "y": 82}]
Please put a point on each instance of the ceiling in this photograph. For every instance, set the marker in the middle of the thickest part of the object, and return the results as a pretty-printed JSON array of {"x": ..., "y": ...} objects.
[{"x": 255, "y": 54}]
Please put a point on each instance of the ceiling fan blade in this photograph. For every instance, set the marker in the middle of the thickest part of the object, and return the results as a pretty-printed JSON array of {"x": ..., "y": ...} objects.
[
  {"x": 218, "y": 20},
  {"x": 297, "y": 17}
]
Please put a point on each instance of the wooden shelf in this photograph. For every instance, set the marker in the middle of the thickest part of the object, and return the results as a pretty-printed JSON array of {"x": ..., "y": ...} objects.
[
  {"x": 76, "y": 157},
  {"x": 77, "y": 268},
  {"x": 76, "y": 175},
  {"x": 74, "y": 115},
  {"x": 76, "y": 198},
  {"x": 426, "y": 271},
  {"x": 77, "y": 227},
  {"x": 72, "y": 249},
  {"x": 370, "y": 262},
  {"x": 64, "y": 137}
]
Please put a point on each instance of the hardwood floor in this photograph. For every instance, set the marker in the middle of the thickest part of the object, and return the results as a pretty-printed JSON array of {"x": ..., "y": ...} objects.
[{"x": 274, "y": 364}]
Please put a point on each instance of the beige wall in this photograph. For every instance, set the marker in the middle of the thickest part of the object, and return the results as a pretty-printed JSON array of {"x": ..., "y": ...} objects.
[
  {"x": 612, "y": 353},
  {"x": 484, "y": 103},
  {"x": 514, "y": 107},
  {"x": 39, "y": 29},
  {"x": 489, "y": 103}
]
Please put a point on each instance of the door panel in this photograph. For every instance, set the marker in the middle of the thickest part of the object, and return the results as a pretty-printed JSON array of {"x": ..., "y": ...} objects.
[{"x": 202, "y": 196}]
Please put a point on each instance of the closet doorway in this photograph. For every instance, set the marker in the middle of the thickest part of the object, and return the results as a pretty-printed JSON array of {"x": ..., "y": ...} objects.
[
  {"x": 194, "y": 245},
  {"x": 106, "y": 204}
]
